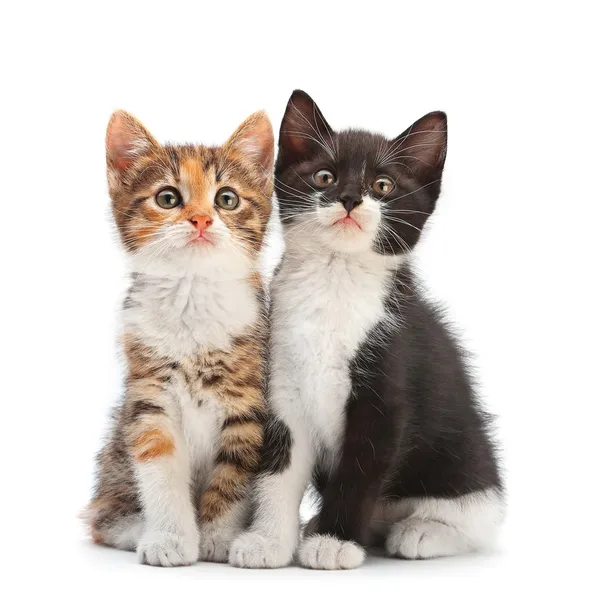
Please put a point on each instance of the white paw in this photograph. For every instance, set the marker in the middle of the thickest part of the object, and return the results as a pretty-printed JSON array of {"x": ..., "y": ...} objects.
[
  {"x": 215, "y": 543},
  {"x": 252, "y": 550},
  {"x": 323, "y": 552},
  {"x": 158, "y": 548},
  {"x": 421, "y": 539}
]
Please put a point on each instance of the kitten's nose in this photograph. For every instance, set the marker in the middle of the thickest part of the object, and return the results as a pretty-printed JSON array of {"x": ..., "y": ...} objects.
[
  {"x": 201, "y": 222},
  {"x": 350, "y": 201}
]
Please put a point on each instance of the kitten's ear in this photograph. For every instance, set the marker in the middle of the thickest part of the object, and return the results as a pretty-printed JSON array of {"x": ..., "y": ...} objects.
[
  {"x": 254, "y": 140},
  {"x": 422, "y": 147},
  {"x": 126, "y": 141},
  {"x": 303, "y": 129}
]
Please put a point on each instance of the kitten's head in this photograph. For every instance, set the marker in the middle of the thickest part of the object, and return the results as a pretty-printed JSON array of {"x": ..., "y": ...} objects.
[
  {"x": 190, "y": 203},
  {"x": 354, "y": 190}
]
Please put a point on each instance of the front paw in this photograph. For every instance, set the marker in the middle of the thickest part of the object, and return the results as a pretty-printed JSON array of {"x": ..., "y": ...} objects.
[
  {"x": 324, "y": 552},
  {"x": 215, "y": 543},
  {"x": 159, "y": 548},
  {"x": 253, "y": 550}
]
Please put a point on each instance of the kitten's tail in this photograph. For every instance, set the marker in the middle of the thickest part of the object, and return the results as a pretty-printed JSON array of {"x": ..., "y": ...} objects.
[{"x": 110, "y": 524}]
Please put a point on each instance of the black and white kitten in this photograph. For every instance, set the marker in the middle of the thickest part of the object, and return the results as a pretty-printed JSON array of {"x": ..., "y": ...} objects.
[{"x": 369, "y": 390}]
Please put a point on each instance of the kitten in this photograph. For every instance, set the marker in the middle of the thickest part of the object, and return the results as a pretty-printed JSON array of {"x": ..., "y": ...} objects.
[
  {"x": 369, "y": 388},
  {"x": 174, "y": 474}
]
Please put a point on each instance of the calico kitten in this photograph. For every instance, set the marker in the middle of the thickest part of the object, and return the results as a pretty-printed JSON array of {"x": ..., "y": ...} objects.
[
  {"x": 174, "y": 474},
  {"x": 369, "y": 388}
]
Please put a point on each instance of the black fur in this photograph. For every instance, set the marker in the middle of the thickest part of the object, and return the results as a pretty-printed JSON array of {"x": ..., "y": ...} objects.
[
  {"x": 413, "y": 161},
  {"x": 413, "y": 424},
  {"x": 277, "y": 442}
]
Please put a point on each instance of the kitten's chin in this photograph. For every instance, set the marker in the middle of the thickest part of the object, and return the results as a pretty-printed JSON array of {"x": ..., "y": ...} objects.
[
  {"x": 201, "y": 246},
  {"x": 213, "y": 260},
  {"x": 347, "y": 237},
  {"x": 342, "y": 238},
  {"x": 349, "y": 244},
  {"x": 350, "y": 233}
]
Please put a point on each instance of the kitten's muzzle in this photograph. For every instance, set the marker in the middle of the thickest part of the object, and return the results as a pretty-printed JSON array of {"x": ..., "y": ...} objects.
[
  {"x": 201, "y": 222},
  {"x": 350, "y": 201}
]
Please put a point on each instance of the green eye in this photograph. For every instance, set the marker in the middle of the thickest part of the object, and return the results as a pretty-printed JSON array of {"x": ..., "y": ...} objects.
[
  {"x": 227, "y": 199},
  {"x": 382, "y": 186},
  {"x": 324, "y": 178},
  {"x": 168, "y": 198}
]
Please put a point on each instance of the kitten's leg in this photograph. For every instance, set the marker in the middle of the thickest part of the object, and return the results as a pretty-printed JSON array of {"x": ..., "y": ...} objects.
[
  {"x": 431, "y": 527},
  {"x": 351, "y": 493},
  {"x": 217, "y": 535},
  {"x": 288, "y": 457},
  {"x": 224, "y": 504},
  {"x": 162, "y": 470}
]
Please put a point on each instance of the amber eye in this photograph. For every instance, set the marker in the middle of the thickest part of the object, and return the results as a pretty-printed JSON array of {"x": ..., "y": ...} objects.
[
  {"x": 324, "y": 178},
  {"x": 382, "y": 186},
  {"x": 227, "y": 199},
  {"x": 168, "y": 198}
]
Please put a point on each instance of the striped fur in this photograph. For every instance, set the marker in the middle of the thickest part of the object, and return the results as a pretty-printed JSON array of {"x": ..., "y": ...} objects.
[{"x": 174, "y": 474}]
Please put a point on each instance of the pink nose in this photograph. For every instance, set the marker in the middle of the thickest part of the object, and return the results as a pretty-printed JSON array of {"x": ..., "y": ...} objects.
[{"x": 201, "y": 222}]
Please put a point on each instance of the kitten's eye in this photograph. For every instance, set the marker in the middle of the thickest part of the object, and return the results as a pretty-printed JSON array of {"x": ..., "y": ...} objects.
[
  {"x": 324, "y": 178},
  {"x": 227, "y": 199},
  {"x": 168, "y": 198},
  {"x": 383, "y": 186}
]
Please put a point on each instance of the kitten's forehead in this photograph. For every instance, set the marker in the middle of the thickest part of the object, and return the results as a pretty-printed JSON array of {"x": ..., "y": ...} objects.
[
  {"x": 356, "y": 147},
  {"x": 197, "y": 183},
  {"x": 164, "y": 165},
  {"x": 195, "y": 167}
]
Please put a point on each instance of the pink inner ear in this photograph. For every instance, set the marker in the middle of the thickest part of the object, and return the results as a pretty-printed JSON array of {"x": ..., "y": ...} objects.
[
  {"x": 428, "y": 148},
  {"x": 120, "y": 157},
  {"x": 265, "y": 141},
  {"x": 119, "y": 146},
  {"x": 126, "y": 139},
  {"x": 423, "y": 145},
  {"x": 256, "y": 140},
  {"x": 303, "y": 126},
  {"x": 294, "y": 142}
]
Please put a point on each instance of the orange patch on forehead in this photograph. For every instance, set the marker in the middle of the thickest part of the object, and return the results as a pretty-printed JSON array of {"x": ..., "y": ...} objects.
[{"x": 199, "y": 186}]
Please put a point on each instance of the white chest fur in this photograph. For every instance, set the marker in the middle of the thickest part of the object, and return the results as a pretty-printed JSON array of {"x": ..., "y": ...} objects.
[
  {"x": 324, "y": 308},
  {"x": 202, "y": 418},
  {"x": 180, "y": 315}
]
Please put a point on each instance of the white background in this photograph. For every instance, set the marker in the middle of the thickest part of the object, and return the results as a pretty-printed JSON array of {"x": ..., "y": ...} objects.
[{"x": 512, "y": 250}]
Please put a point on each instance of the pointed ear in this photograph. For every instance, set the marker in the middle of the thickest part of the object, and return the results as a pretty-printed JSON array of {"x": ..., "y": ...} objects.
[
  {"x": 254, "y": 140},
  {"x": 126, "y": 141},
  {"x": 422, "y": 147},
  {"x": 303, "y": 129}
]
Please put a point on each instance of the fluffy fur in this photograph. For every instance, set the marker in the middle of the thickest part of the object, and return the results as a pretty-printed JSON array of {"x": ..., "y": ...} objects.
[
  {"x": 174, "y": 474},
  {"x": 369, "y": 390}
]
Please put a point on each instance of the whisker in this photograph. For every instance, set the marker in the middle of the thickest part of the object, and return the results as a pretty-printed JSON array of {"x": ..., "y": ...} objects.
[
  {"x": 397, "y": 237},
  {"x": 414, "y": 191},
  {"x": 399, "y": 220},
  {"x": 385, "y": 211}
]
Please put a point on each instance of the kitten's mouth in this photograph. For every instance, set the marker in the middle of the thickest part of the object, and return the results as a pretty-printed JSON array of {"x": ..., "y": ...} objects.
[
  {"x": 201, "y": 239},
  {"x": 347, "y": 221}
]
